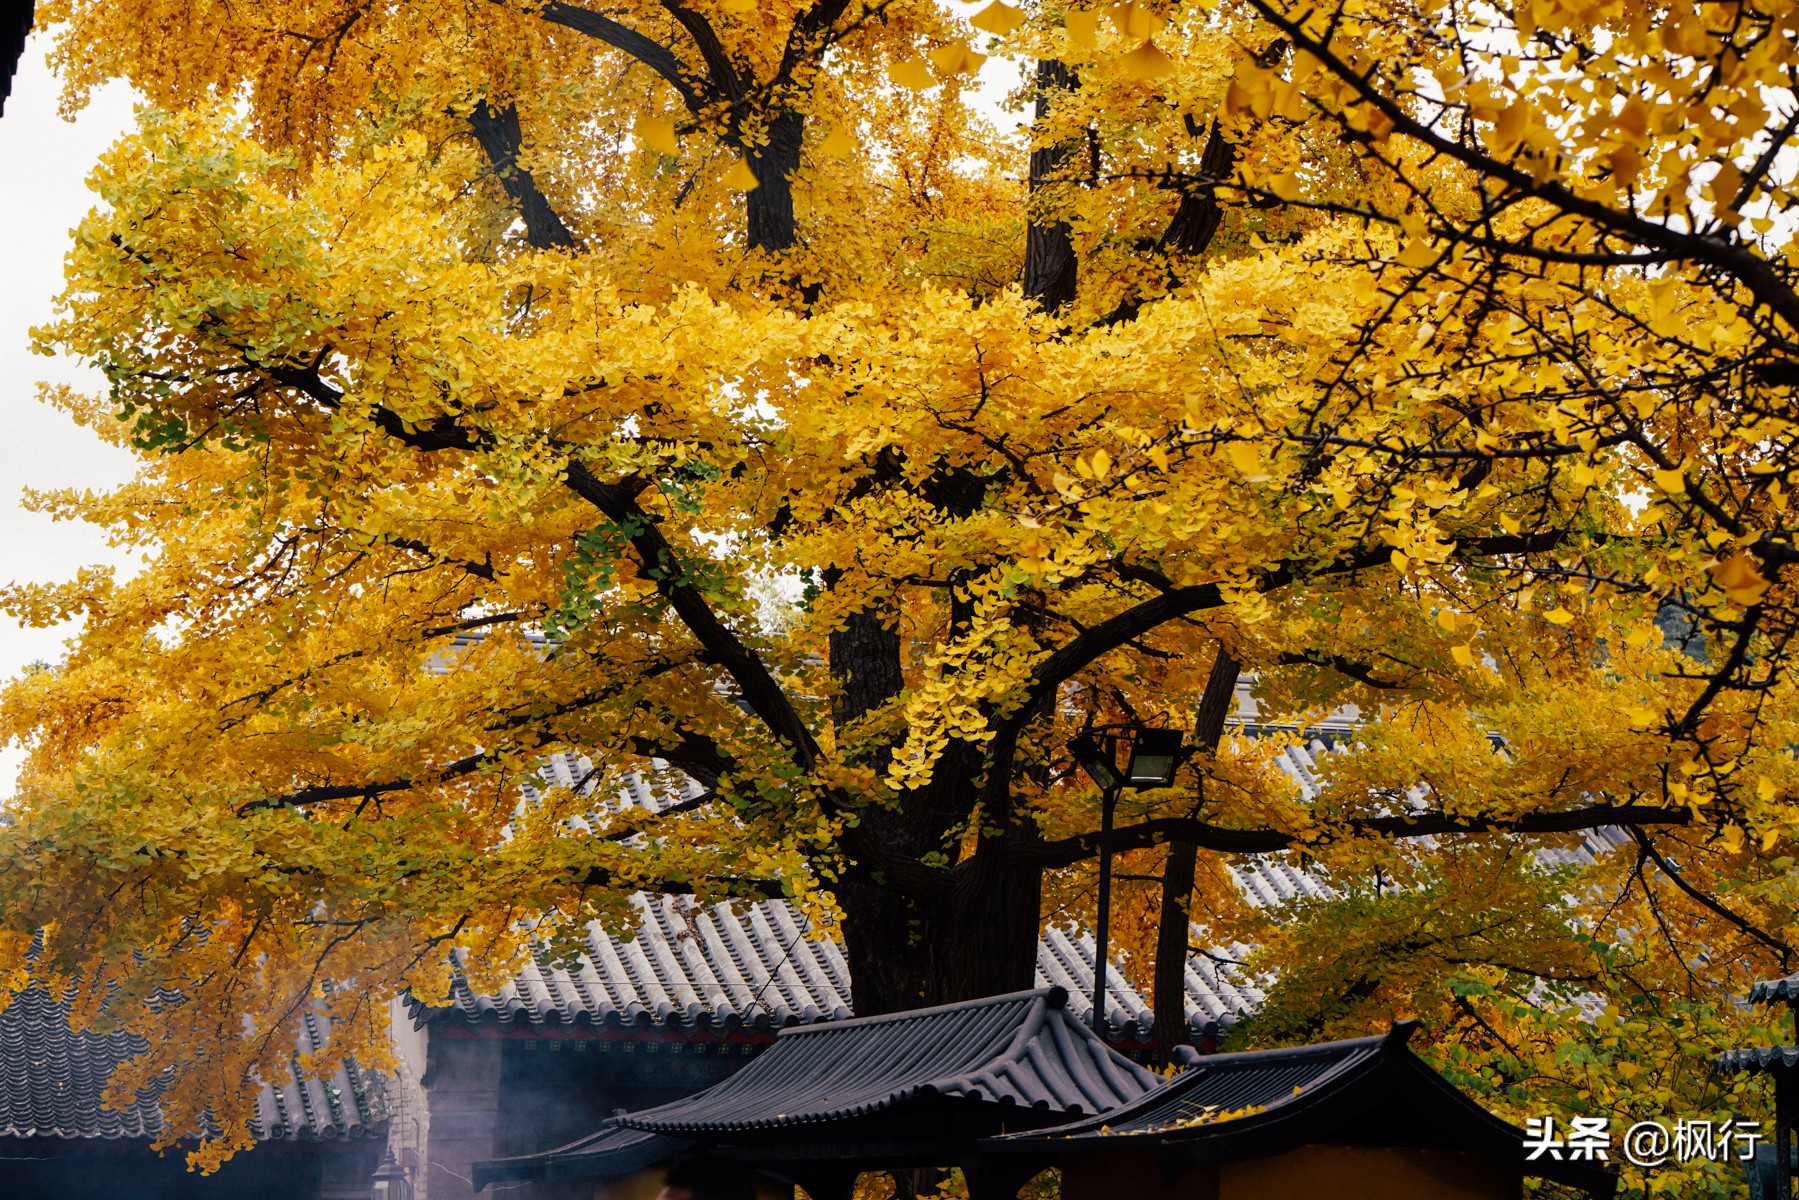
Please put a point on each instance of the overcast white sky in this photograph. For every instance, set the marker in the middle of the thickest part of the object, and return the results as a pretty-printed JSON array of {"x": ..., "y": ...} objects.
[{"x": 44, "y": 161}]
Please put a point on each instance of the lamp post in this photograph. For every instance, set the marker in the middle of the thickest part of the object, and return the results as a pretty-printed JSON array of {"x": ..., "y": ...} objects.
[{"x": 1155, "y": 755}]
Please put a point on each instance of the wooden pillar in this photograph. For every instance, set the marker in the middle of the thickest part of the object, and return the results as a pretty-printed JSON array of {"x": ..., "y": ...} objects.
[
  {"x": 1783, "y": 1133},
  {"x": 1785, "y": 1086}
]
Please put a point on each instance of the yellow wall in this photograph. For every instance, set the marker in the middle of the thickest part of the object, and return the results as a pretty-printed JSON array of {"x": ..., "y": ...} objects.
[
  {"x": 1309, "y": 1173},
  {"x": 644, "y": 1185}
]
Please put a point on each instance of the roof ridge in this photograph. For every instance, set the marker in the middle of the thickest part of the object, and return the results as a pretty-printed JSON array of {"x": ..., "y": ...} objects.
[{"x": 1053, "y": 997}]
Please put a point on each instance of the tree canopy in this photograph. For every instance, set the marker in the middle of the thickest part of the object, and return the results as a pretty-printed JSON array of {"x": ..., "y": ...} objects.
[{"x": 713, "y": 387}]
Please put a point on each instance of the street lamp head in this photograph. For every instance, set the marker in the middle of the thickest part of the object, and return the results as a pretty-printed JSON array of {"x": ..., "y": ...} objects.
[
  {"x": 389, "y": 1180},
  {"x": 1155, "y": 757},
  {"x": 1098, "y": 759}
]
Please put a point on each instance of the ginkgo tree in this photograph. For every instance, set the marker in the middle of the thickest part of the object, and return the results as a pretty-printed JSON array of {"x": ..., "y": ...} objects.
[{"x": 712, "y": 388}]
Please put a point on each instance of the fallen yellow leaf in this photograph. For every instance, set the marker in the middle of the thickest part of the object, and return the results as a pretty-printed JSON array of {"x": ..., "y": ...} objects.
[
  {"x": 1248, "y": 463},
  {"x": 658, "y": 133},
  {"x": 997, "y": 18},
  {"x": 956, "y": 59},
  {"x": 838, "y": 143},
  {"x": 740, "y": 178},
  {"x": 1083, "y": 29},
  {"x": 912, "y": 73},
  {"x": 1136, "y": 21},
  {"x": 1741, "y": 579},
  {"x": 1146, "y": 62}
]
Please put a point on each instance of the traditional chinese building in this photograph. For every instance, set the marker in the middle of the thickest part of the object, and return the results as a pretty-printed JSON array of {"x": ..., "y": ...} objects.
[
  {"x": 1767, "y": 1181},
  {"x": 1350, "y": 1120},
  {"x": 316, "y": 1140},
  {"x": 829, "y": 1102},
  {"x": 1011, "y": 1086},
  {"x": 692, "y": 996}
]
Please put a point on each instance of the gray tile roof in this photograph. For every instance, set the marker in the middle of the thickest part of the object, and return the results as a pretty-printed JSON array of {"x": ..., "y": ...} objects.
[
  {"x": 1215, "y": 1089},
  {"x": 759, "y": 966},
  {"x": 1217, "y": 996},
  {"x": 1758, "y": 1059},
  {"x": 1023, "y": 1052},
  {"x": 718, "y": 969},
  {"x": 1775, "y": 991},
  {"x": 1259, "y": 1103},
  {"x": 52, "y": 1079}
]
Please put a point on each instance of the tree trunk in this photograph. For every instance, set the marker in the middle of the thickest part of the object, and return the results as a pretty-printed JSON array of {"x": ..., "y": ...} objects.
[
  {"x": 1049, "y": 265},
  {"x": 884, "y": 943},
  {"x": 1169, "y": 993},
  {"x": 770, "y": 206},
  {"x": 985, "y": 940}
]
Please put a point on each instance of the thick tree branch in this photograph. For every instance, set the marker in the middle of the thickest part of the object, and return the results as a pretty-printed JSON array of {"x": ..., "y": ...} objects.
[
  {"x": 662, "y": 563},
  {"x": 722, "y": 72},
  {"x": 1174, "y": 602},
  {"x": 811, "y": 33},
  {"x": 1050, "y": 271},
  {"x": 1361, "y": 672},
  {"x": 1175, "y": 919},
  {"x": 646, "y": 50},
  {"x": 501, "y": 139},
  {"x": 765, "y": 889},
  {"x": 325, "y": 793},
  {"x": 1145, "y": 834},
  {"x": 1196, "y": 219}
]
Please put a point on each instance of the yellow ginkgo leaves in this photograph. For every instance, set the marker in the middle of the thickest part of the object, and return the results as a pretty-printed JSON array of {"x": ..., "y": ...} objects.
[
  {"x": 1741, "y": 578},
  {"x": 956, "y": 59},
  {"x": 658, "y": 133},
  {"x": 839, "y": 143},
  {"x": 998, "y": 18},
  {"x": 912, "y": 73},
  {"x": 740, "y": 178},
  {"x": 1146, "y": 62}
]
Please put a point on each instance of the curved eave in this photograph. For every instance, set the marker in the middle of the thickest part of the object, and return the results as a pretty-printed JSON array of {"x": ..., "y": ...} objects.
[
  {"x": 611, "y": 1152},
  {"x": 1311, "y": 1115},
  {"x": 1757, "y": 1059},
  {"x": 1770, "y": 991}
]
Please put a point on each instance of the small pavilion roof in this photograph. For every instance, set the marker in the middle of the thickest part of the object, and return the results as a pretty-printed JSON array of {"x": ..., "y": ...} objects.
[
  {"x": 1366, "y": 1091},
  {"x": 838, "y": 1083}
]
